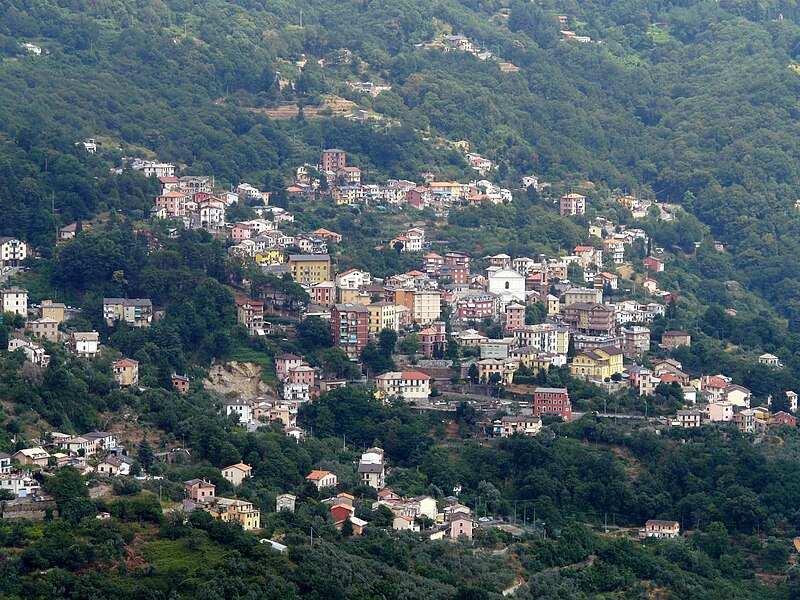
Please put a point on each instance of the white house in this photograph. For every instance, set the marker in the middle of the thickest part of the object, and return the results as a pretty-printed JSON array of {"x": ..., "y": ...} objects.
[
  {"x": 14, "y": 300},
  {"x": 241, "y": 408},
  {"x": 371, "y": 468},
  {"x": 86, "y": 343},
  {"x": 323, "y": 479},
  {"x": 19, "y": 485},
  {"x": 115, "y": 465}
]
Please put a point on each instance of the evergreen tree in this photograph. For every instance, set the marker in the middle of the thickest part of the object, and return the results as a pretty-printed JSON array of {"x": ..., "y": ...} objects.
[
  {"x": 145, "y": 454},
  {"x": 347, "y": 528}
]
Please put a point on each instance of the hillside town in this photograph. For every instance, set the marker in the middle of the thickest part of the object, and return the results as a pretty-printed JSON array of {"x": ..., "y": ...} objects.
[{"x": 486, "y": 328}]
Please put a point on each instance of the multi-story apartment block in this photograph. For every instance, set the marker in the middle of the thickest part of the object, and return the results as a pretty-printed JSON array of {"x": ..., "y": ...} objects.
[
  {"x": 350, "y": 327},
  {"x": 310, "y": 268},
  {"x": 12, "y": 251},
  {"x": 136, "y": 312}
]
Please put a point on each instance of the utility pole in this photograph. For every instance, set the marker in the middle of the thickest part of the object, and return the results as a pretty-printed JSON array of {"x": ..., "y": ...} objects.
[
  {"x": 301, "y": 17},
  {"x": 605, "y": 522},
  {"x": 312, "y": 537}
]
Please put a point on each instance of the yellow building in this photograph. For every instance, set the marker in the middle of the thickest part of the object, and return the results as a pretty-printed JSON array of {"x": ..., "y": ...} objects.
[
  {"x": 553, "y": 305},
  {"x": 53, "y": 310},
  {"x": 600, "y": 363},
  {"x": 383, "y": 315},
  {"x": 273, "y": 256},
  {"x": 533, "y": 358},
  {"x": 595, "y": 231},
  {"x": 310, "y": 268},
  {"x": 352, "y": 296},
  {"x": 347, "y": 194},
  {"x": 235, "y": 511},
  {"x": 490, "y": 366}
]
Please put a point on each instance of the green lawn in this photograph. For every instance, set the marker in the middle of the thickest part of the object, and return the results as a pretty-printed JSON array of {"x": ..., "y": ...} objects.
[{"x": 189, "y": 554}]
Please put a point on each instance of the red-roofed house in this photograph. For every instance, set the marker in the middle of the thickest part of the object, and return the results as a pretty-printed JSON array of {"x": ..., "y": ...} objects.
[
  {"x": 387, "y": 495},
  {"x": 126, "y": 372},
  {"x": 180, "y": 383},
  {"x": 410, "y": 385},
  {"x": 432, "y": 263},
  {"x": 433, "y": 339},
  {"x": 174, "y": 202},
  {"x": 783, "y": 418},
  {"x": 323, "y": 479},
  {"x": 714, "y": 386},
  {"x": 326, "y": 234},
  {"x": 340, "y": 512},
  {"x": 601, "y": 279}
]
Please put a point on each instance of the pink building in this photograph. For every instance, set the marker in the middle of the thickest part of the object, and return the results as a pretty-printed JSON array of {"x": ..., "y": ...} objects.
[
  {"x": 199, "y": 490},
  {"x": 654, "y": 264},
  {"x": 285, "y": 363},
  {"x": 720, "y": 411},
  {"x": 552, "y": 401},
  {"x": 476, "y": 307},
  {"x": 515, "y": 316},
  {"x": 461, "y": 524},
  {"x": 242, "y": 231},
  {"x": 173, "y": 202},
  {"x": 457, "y": 273},
  {"x": 432, "y": 339},
  {"x": 459, "y": 259},
  {"x": 324, "y": 294},
  {"x": 333, "y": 159},
  {"x": 302, "y": 374},
  {"x": 572, "y": 204}
]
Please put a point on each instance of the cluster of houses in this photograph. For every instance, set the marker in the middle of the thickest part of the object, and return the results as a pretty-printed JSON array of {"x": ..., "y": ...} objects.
[
  {"x": 201, "y": 494},
  {"x": 343, "y": 185},
  {"x": 408, "y": 514},
  {"x": 93, "y": 452},
  {"x": 46, "y": 326}
]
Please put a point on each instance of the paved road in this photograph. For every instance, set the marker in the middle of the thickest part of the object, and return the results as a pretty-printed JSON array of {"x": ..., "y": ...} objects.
[{"x": 6, "y": 274}]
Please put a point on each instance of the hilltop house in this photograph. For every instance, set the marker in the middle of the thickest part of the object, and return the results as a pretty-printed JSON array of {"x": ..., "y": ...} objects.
[
  {"x": 237, "y": 473},
  {"x": 323, "y": 479}
]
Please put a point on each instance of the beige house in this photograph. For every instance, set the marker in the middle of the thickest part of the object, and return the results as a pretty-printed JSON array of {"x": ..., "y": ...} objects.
[
  {"x": 410, "y": 385},
  {"x": 427, "y": 307},
  {"x": 14, "y": 300},
  {"x": 53, "y": 310},
  {"x": 45, "y": 328},
  {"x": 673, "y": 339},
  {"x": 495, "y": 366},
  {"x": 237, "y": 473},
  {"x": 661, "y": 529},
  {"x": 32, "y": 456},
  {"x": 509, "y": 425},
  {"x": 126, "y": 372}
]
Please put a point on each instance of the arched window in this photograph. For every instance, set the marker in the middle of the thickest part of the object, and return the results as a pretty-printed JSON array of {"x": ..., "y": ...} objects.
[{"x": 508, "y": 284}]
